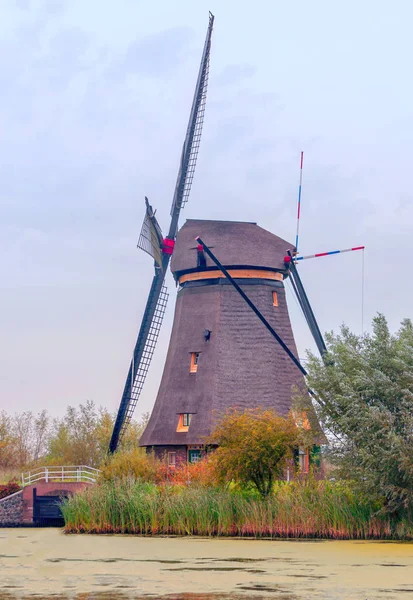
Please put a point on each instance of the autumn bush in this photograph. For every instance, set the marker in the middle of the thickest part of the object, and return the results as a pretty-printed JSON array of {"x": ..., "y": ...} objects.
[
  {"x": 136, "y": 464},
  {"x": 9, "y": 488}
]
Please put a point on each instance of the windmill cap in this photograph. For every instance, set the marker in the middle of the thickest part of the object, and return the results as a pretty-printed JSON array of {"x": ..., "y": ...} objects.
[{"x": 234, "y": 243}]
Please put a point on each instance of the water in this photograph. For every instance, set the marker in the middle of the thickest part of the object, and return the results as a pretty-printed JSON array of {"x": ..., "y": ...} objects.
[{"x": 45, "y": 563}]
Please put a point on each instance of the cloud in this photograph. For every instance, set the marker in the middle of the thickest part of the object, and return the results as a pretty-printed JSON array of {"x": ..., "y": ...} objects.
[
  {"x": 233, "y": 74},
  {"x": 22, "y": 4},
  {"x": 155, "y": 55},
  {"x": 55, "y": 7}
]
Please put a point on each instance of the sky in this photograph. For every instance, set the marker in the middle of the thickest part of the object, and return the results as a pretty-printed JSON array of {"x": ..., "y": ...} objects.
[{"x": 95, "y": 98}]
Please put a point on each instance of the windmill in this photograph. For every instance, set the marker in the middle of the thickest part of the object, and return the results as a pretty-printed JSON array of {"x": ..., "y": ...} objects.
[
  {"x": 219, "y": 356},
  {"x": 152, "y": 241}
]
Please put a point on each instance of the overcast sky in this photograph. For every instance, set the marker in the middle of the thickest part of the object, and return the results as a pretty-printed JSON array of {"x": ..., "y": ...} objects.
[{"x": 95, "y": 97}]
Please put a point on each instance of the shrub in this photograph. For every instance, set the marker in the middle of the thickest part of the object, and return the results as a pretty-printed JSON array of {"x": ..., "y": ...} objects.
[
  {"x": 9, "y": 488},
  {"x": 133, "y": 463},
  {"x": 254, "y": 447},
  {"x": 137, "y": 465}
]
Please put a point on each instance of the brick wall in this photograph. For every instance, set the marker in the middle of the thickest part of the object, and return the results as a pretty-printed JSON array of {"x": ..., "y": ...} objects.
[
  {"x": 47, "y": 489},
  {"x": 11, "y": 509},
  {"x": 161, "y": 452}
]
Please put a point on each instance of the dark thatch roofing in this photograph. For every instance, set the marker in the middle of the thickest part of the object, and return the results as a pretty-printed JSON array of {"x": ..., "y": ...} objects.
[{"x": 234, "y": 243}]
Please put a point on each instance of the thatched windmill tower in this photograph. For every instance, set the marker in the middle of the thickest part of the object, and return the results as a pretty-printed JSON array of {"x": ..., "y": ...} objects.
[{"x": 219, "y": 354}]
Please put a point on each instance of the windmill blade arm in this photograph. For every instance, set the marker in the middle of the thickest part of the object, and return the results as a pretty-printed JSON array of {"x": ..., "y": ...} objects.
[
  {"x": 305, "y": 305},
  {"x": 142, "y": 356},
  {"x": 193, "y": 136}
]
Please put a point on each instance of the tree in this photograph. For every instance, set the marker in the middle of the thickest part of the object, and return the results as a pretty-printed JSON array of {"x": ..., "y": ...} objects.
[
  {"x": 82, "y": 436},
  {"x": 22, "y": 427},
  {"x": 40, "y": 435},
  {"x": 254, "y": 447},
  {"x": 364, "y": 392},
  {"x": 7, "y": 442}
]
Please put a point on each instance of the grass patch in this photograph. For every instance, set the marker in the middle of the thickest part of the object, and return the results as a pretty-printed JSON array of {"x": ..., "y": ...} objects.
[{"x": 309, "y": 509}]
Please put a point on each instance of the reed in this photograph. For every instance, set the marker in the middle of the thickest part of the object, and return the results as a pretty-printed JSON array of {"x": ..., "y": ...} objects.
[{"x": 309, "y": 509}]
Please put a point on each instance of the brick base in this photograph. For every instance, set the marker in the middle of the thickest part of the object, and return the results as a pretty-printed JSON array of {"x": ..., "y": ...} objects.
[
  {"x": 47, "y": 489},
  {"x": 161, "y": 453}
]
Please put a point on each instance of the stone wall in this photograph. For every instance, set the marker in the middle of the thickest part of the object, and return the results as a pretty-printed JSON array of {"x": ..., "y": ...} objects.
[{"x": 11, "y": 509}]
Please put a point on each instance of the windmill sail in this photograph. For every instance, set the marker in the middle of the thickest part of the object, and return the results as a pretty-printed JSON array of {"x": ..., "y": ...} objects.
[
  {"x": 193, "y": 135},
  {"x": 150, "y": 241}
]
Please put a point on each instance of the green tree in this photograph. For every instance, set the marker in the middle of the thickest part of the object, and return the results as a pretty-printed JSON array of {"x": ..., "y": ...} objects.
[
  {"x": 365, "y": 401},
  {"x": 254, "y": 447}
]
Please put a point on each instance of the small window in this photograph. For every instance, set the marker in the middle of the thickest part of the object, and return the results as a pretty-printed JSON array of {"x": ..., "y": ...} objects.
[
  {"x": 184, "y": 422},
  {"x": 194, "y": 362},
  {"x": 172, "y": 459},
  {"x": 194, "y": 456},
  {"x": 274, "y": 299}
]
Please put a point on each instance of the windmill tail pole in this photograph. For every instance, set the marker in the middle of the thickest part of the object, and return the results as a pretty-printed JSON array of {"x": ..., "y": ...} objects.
[
  {"x": 299, "y": 201},
  {"x": 252, "y": 306},
  {"x": 320, "y": 254}
]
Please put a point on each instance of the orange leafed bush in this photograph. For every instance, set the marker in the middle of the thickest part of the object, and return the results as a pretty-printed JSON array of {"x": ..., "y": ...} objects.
[
  {"x": 200, "y": 473},
  {"x": 137, "y": 464}
]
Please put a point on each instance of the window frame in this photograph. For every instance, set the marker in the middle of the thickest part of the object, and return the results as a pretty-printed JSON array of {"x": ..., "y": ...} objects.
[
  {"x": 186, "y": 419},
  {"x": 172, "y": 463},
  {"x": 193, "y": 366}
]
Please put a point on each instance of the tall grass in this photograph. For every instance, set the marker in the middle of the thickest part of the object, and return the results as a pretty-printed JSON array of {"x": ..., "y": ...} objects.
[{"x": 316, "y": 509}]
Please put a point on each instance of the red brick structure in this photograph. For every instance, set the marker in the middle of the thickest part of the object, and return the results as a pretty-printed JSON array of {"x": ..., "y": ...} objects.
[{"x": 48, "y": 489}]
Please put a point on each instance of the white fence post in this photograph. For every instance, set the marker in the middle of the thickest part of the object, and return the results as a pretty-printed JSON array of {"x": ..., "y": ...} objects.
[{"x": 46, "y": 477}]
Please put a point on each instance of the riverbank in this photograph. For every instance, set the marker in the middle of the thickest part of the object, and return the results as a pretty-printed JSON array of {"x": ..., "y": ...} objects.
[
  {"x": 46, "y": 562},
  {"x": 309, "y": 509}
]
